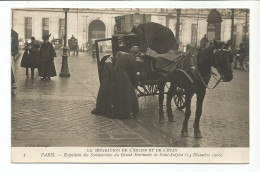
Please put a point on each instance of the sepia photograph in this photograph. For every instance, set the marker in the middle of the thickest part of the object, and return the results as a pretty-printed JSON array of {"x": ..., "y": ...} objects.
[{"x": 132, "y": 81}]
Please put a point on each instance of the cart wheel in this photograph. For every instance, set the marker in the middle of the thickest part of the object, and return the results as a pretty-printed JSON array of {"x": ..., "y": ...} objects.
[
  {"x": 179, "y": 98},
  {"x": 246, "y": 63}
]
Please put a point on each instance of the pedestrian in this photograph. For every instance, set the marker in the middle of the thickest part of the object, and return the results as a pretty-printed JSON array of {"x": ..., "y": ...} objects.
[
  {"x": 117, "y": 97},
  {"x": 93, "y": 52},
  {"x": 204, "y": 41},
  {"x": 30, "y": 57},
  {"x": 46, "y": 57},
  {"x": 13, "y": 84},
  {"x": 242, "y": 54}
]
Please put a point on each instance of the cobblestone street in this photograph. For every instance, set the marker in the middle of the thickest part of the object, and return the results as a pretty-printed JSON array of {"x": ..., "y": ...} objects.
[
  {"x": 224, "y": 121},
  {"x": 57, "y": 113}
]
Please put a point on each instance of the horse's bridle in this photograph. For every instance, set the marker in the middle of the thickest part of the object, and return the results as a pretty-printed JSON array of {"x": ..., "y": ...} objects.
[
  {"x": 216, "y": 66},
  {"x": 217, "y": 60}
]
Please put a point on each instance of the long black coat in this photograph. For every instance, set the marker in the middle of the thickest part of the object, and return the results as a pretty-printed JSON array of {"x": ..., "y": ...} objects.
[
  {"x": 117, "y": 88},
  {"x": 30, "y": 56},
  {"x": 155, "y": 36},
  {"x": 46, "y": 57}
]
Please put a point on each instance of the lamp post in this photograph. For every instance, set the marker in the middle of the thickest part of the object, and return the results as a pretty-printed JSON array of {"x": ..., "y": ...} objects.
[
  {"x": 64, "y": 67},
  {"x": 232, "y": 29},
  {"x": 178, "y": 25}
]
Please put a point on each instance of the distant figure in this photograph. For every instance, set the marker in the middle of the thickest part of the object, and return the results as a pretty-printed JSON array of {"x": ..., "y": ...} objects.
[
  {"x": 30, "y": 57},
  {"x": 242, "y": 54},
  {"x": 93, "y": 52},
  {"x": 73, "y": 45},
  {"x": 12, "y": 74},
  {"x": 204, "y": 42},
  {"x": 72, "y": 37},
  {"x": 26, "y": 43},
  {"x": 14, "y": 52},
  {"x": 46, "y": 56}
]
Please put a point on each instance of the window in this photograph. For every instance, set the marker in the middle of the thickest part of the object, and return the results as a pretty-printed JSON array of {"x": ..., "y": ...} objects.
[
  {"x": 28, "y": 27},
  {"x": 62, "y": 28},
  {"x": 45, "y": 26},
  {"x": 194, "y": 34}
]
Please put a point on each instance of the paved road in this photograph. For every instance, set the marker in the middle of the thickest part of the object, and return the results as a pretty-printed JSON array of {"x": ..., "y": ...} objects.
[
  {"x": 57, "y": 113},
  {"x": 224, "y": 121}
]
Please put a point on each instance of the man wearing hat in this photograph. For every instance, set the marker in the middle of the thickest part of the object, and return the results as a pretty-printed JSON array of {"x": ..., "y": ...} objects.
[
  {"x": 46, "y": 57},
  {"x": 30, "y": 57}
]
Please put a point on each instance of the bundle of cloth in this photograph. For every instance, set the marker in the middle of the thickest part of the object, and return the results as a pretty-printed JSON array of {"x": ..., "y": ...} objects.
[{"x": 158, "y": 42}]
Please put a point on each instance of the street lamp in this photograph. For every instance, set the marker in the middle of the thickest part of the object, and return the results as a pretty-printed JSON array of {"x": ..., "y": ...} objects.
[{"x": 64, "y": 67}]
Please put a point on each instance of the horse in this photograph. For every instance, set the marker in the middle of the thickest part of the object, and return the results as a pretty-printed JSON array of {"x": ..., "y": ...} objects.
[{"x": 217, "y": 56}]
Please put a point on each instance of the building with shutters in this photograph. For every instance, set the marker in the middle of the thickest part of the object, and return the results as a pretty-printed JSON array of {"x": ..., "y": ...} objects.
[{"x": 90, "y": 24}]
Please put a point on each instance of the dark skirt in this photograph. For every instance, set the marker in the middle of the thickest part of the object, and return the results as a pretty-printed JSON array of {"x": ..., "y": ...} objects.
[
  {"x": 12, "y": 76},
  {"x": 103, "y": 104},
  {"x": 29, "y": 60},
  {"x": 47, "y": 69},
  {"x": 116, "y": 97},
  {"x": 124, "y": 96}
]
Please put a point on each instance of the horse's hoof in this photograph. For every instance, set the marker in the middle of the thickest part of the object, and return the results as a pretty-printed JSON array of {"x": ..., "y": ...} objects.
[
  {"x": 171, "y": 119},
  {"x": 198, "y": 135},
  {"x": 185, "y": 134},
  {"x": 161, "y": 121}
]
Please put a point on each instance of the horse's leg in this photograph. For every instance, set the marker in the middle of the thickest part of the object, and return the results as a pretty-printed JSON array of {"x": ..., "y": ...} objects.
[
  {"x": 170, "y": 94},
  {"x": 184, "y": 130},
  {"x": 196, "y": 125},
  {"x": 161, "y": 86}
]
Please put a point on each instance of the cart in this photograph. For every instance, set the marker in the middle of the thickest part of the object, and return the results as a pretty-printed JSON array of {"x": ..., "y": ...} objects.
[{"x": 124, "y": 42}]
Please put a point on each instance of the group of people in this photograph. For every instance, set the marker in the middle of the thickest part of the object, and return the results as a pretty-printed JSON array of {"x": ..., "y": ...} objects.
[
  {"x": 41, "y": 57},
  {"x": 117, "y": 96}
]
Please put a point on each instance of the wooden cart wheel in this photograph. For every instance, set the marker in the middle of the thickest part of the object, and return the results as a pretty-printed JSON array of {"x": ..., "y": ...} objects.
[{"x": 179, "y": 98}]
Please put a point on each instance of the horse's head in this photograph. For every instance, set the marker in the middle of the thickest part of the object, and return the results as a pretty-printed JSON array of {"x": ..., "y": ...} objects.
[{"x": 222, "y": 59}]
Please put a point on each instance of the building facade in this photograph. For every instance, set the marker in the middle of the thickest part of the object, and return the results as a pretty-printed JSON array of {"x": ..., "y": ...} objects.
[{"x": 90, "y": 24}]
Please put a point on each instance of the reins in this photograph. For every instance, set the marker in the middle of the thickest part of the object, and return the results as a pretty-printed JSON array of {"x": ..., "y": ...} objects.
[{"x": 200, "y": 77}]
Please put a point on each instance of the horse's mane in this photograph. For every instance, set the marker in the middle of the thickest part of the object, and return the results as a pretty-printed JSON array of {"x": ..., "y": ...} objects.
[{"x": 206, "y": 51}]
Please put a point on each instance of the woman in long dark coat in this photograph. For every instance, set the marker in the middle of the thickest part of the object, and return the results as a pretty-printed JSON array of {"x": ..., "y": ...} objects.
[
  {"x": 30, "y": 57},
  {"x": 117, "y": 97},
  {"x": 46, "y": 57}
]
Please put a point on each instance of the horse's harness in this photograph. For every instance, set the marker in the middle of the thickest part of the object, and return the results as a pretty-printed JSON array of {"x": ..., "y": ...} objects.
[
  {"x": 196, "y": 66},
  {"x": 211, "y": 73}
]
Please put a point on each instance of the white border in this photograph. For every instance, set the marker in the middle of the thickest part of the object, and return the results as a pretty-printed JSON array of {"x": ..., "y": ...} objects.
[{"x": 5, "y": 126}]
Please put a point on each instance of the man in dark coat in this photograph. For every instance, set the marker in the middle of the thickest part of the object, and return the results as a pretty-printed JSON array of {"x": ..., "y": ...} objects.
[
  {"x": 155, "y": 36},
  {"x": 30, "y": 57},
  {"x": 46, "y": 57},
  {"x": 204, "y": 42}
]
